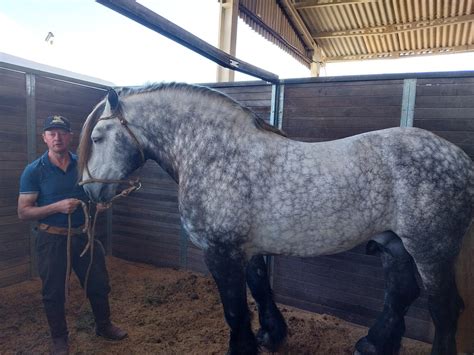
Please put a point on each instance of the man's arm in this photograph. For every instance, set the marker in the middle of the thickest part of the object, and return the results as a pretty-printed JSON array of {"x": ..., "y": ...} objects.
[{"x": 27, "y": 209}]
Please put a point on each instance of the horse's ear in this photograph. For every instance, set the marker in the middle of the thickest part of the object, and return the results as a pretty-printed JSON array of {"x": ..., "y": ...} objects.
[{"x": 112, "y": 100}]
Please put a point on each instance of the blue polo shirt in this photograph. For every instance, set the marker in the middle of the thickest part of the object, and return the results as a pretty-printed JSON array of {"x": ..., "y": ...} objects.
[{"x": 53, "y": 184}]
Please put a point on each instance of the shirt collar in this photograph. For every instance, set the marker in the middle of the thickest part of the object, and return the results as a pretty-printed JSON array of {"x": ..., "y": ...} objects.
[{"x": 45, "y": 160}]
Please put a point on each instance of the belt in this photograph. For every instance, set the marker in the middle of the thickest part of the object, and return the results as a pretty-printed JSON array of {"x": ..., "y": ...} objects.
[{"x": 59, "y": 230}]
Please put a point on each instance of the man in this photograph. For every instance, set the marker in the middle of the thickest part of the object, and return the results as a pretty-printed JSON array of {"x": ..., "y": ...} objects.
[{"x": 49, "y": 193}]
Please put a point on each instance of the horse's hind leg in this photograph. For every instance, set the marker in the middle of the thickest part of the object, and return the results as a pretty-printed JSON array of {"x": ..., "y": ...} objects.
[
  {"x": 227, "y": 266},
  {"x": 401, "y": 289},
  {"x": 444, "y": 303},
  {"x": 273, "y": 327}
]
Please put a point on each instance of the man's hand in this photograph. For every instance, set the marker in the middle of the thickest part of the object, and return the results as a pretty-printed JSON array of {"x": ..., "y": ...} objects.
[
  {"x": 68, "y": 205},
  {"x": 101, "y": 207}
]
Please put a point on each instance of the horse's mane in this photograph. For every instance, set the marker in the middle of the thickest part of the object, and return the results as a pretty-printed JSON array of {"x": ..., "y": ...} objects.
[
  {"x": 85, "y": 143},
  {"x": 203, "y": 90}
]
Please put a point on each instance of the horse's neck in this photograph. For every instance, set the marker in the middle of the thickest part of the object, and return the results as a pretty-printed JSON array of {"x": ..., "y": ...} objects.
[{"x": 183, "y": 130}]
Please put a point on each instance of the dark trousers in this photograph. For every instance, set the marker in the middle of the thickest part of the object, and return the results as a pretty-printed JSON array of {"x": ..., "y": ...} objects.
[{"x": 51, "y": 252}]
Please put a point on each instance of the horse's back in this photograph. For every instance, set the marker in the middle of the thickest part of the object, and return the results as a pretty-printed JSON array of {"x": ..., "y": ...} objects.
[{"x": 344, "y": 191}]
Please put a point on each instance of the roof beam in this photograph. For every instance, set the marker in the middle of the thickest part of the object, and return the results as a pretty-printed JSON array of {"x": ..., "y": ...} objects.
[
  {"x": 289, "y": 7},
  {"x": 403, "y": 54},
  {"x": 141, "y": 14},
  {"x": 397, "y": 28},
  {"x": 328, "y": 3}
]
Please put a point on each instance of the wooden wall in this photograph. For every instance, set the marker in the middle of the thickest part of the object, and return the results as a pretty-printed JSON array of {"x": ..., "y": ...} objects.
[
  {"x": 445, "y": 106},
  {"x": 14, "y": 235},
  {"x": 350, "y": 285},
  {"x": 26, "y": 99}
]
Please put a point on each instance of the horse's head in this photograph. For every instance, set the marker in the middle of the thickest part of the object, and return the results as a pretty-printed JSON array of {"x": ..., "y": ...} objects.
[{"x": 108, "y": 150}]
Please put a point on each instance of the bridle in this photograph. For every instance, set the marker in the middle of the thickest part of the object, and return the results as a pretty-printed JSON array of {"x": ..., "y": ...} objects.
[{"x": 135, "y": 184}]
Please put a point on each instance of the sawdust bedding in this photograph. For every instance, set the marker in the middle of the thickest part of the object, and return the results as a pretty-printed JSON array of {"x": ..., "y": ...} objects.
[{"x": 165, "y": 311}]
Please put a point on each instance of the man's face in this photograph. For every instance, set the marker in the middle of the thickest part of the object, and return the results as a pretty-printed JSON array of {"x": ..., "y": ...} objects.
[{"x": 57, "y": 140}]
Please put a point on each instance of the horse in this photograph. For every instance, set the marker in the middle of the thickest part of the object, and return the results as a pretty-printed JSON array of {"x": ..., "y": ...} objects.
[{"x": 405, "y": 191}]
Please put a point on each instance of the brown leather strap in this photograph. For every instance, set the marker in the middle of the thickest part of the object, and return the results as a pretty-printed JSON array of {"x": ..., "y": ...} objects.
[{"x": 59, "y": 230}]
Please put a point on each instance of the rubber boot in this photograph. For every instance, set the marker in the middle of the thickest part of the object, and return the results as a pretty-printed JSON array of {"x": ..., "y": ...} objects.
[
  {"x": 58, "y": 328},
  {"x": 104, "y": 327}
]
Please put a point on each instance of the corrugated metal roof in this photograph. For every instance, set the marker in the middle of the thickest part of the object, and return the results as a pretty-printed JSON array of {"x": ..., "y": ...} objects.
[
  {"x": 364, "y": 29},
  {"x": 268, "y": 19}
]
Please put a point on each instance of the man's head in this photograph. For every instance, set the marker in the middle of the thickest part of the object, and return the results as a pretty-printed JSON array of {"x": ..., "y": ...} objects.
[{"x": 57, "y": 134}]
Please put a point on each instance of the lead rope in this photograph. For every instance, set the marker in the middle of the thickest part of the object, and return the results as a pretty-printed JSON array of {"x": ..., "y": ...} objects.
[
  {"x": 68, "y": 248},
  {"x": 90, "y": 230}
]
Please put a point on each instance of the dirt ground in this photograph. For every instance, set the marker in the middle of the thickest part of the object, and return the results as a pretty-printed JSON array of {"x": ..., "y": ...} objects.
[{"x": 165, "y": 311}]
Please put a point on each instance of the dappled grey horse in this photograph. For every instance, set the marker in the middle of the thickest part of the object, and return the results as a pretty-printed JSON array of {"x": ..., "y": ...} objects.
[{"x": 247, "y": 191}]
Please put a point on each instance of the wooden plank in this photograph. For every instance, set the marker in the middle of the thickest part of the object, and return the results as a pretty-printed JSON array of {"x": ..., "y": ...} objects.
[
  {"x": 447, "y": 113},
  {"x": 344, "y": 81},
  {"x": 8, "y": 102},
  {"x": 14, "y": 138},
  {"x": 456, "y": 137},
  {"x": 368, "y": 271},
  {"x": 433, "y": 89},
  {"x": 329, "y": 133},
  {"x": 439, "y": 124},
  {"x": 461, "y": 101},
  {"x": 309, "y": 111},
  {"x": 11, "y": 164},
  {"x": 321, "y": 90},
  {"x": 58, "y": 91},
  {"x": 153, "y": 220},
  {"x": 341, "y": 101},
  {"x": 13, "y": 262},
  {"x": 415, "y": 329},
  {"x": 139, "y": 226},
  {"x": 299, "y": 123},
  {"x": 146, "y": 254},
  {"x": 15, "y": 249},
  {"x": 347, "y": 283},
  {"x": 14, "y": 275},
  {"x": 10, "y": 177},
  {"x": 443, "y": 81}
]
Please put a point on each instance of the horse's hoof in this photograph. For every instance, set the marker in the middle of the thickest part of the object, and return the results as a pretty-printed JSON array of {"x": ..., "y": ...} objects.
[
  {"x": 265, "y": 340},
  {"x": 365, "y": 347}
]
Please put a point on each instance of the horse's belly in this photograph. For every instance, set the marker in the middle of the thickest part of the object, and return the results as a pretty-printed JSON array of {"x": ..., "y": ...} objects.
[{"x": 303, "y": 238}]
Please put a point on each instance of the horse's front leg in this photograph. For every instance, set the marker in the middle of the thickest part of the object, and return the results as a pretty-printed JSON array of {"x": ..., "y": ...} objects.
[
  {"x": 227, "y": 265},
  {"x": 273, "y": 330}
]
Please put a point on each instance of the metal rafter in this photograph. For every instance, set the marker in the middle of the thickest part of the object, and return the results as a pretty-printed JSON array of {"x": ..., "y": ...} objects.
[
  {"x": 327, "y": 3},
  {"x": 403, "y": 54},
  {"x": 291, "y": 11},
  {"x": 397, "y": 28}
]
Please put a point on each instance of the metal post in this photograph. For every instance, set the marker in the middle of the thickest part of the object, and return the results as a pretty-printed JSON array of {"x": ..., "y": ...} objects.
[
  {"x": 276, "y": 112},
  {"x": 229, "y": 10},
  {"x": 408, "y": 103},
  {"x": 30, "y": 82}
]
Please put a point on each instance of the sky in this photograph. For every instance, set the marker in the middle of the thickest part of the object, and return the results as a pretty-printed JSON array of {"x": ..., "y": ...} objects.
[{"x": 93, "y": 40}]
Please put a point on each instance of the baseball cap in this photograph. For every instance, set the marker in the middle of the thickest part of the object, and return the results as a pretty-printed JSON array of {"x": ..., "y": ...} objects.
[{"x": 57, "y": 121}]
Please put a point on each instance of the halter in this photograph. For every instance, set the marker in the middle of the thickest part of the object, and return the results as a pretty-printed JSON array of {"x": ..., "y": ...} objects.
[{"x": 134, "y": 184}]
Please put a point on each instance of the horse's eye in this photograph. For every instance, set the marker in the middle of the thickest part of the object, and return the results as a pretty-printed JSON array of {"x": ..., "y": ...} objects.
[{"x": 96, "y": 139}]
